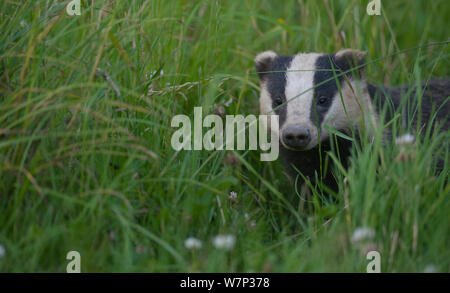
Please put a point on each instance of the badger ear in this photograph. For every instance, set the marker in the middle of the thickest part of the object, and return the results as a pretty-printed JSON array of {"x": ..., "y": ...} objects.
[
  {"x": 346, "y": 59},
  {"x": 263, "y": 62}
]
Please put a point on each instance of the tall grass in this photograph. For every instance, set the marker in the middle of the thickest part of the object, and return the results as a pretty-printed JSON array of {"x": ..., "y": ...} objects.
[{"x": 86, "y": 161}]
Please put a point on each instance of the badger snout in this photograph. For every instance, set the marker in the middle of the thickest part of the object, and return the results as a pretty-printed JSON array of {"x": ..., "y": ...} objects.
[{"x": 296, "y": 137}]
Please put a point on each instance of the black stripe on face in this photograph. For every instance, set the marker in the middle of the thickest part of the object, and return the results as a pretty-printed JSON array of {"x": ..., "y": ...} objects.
[
  {"x": 324, "y": 93},
  {"x": 276, "y": 85}
]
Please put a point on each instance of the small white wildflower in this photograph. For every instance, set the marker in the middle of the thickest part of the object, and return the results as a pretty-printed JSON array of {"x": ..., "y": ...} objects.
[
  {"x": 152, "y": 74},
  {"x": 405, "y": 139},
  {"x": 431, "y": 269},
  {"x": 225, "y": 242},
  {"x": 23, "y": 23},
  {"x": 2, "y": 251},
  {"x": 233, "y": 195},
  {"x": 362, "y": 233},
  {"x": 192, "y": 243}
]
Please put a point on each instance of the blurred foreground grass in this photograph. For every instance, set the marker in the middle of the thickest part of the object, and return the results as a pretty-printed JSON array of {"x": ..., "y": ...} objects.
[{"x": 86, "y": 162}]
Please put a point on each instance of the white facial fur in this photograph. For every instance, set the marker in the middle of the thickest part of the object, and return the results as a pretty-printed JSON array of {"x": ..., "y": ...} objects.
[
  {"x": 265, "y": 101},
  {"x": 265, "y": 107},
  {"x": 299, "y": 93},
  {"x": 344, "y": 113}
]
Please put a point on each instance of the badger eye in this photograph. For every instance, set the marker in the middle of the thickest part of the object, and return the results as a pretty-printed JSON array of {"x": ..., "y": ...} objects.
[
  {"x": 322, "y": 100},
  {"x": 278, "y": 101}
]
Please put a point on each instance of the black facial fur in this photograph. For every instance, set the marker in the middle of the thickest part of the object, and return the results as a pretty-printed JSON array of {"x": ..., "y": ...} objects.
[
  {"x": 324, "y": 93},
  {"x": 276, "y": 83}
]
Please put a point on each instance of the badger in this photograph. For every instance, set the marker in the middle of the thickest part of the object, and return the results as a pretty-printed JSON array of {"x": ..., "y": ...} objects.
[{"x": 314, "y": 92}]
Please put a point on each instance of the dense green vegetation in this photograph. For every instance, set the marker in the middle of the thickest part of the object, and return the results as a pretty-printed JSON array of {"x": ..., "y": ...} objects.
[{"x": 86, "y": 162}]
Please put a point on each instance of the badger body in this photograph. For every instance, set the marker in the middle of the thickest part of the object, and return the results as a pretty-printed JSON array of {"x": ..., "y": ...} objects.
[{"x": 312, "y": 93}]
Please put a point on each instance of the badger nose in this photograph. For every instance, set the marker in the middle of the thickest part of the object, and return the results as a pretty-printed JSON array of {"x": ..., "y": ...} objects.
[{"x": 296, "y": 136}]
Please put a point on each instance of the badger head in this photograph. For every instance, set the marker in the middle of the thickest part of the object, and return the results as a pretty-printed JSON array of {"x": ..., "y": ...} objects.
[{"x": 310, "y": 91}]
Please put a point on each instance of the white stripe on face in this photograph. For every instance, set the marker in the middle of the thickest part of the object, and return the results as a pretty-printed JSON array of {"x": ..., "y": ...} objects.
[
  {"x": 299, "y": 89},
  {"x": 265, "y": 107}
]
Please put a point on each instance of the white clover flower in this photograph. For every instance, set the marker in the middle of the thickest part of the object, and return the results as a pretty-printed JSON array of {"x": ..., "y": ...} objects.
[
  {"x": 405, "y": 139},
  {"x": 152, "y": 73},
  {"x": 362, "y": 233},
  {"x": 225, "y": 242},
  {"x": 431, "y": 269},
  {"x": 192, "y": 243},
  {"x": 233, "y": 195},
  {"x": 2, "y": 251}
]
